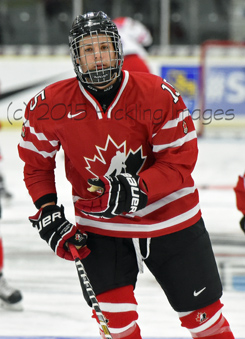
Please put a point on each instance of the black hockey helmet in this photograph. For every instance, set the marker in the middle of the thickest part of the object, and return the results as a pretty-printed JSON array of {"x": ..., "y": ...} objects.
[{"x": 92, "y": 24}]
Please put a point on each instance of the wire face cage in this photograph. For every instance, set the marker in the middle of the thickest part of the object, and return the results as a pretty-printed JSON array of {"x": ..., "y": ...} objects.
[
  {"x": 96, "y": 48},
  {"x": 97, "y": 57}
]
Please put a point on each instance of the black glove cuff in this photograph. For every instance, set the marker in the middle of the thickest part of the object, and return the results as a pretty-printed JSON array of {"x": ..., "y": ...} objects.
[
  {"x": 52, "y": 208},
  {"x": 45, "y": 199}
]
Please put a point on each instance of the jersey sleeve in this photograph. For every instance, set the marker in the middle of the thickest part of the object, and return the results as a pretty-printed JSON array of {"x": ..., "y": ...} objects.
[
  {"x": 174, "y": 144},
  {"x": 240, "y": 194},
  {"x": 38, "y": 147}
]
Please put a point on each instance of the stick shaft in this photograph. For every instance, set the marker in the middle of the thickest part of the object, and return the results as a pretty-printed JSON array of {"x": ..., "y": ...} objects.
[{"x": 86, "y": 283}]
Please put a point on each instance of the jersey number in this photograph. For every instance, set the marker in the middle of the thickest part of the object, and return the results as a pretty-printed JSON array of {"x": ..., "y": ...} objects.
[
  {"x": 42, "y": 95},
  {"x": 172, "y": 91}
]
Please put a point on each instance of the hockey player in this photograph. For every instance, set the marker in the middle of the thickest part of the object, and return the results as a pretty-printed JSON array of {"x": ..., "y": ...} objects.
[
  {"x": 10, "y": 298},
  {"x": 4, "y": 193},
  {"x": 107, "y": 119},
  {"x": 135, "y": 39}
]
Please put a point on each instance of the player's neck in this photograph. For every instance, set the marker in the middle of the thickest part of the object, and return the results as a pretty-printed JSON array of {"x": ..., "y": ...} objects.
[
  {"x": 104, "y": 90},
  {"x": 104, "y": 95}
]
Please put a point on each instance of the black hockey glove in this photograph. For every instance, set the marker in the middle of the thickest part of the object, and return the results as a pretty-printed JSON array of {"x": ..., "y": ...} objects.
[
  {"x": 56, "y": 230},
  {"x": 124, "y": 193},
  {"x": 242, "y": 223}
]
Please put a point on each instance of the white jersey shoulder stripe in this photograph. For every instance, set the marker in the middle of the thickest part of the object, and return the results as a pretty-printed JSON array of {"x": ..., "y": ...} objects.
[
  {"x": 174, "y": 123},
  {"x": 30, "y": 146},
  {"x": 40, "y": 136},
  {"x": 177, "y": 143}
]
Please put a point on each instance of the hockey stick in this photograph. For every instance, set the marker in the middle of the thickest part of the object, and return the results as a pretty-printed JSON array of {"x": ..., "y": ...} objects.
[{"x": 86, "y": 283}]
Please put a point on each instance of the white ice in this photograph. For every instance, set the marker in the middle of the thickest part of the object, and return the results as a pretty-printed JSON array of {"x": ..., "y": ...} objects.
[{"x": 53, "y": 303}]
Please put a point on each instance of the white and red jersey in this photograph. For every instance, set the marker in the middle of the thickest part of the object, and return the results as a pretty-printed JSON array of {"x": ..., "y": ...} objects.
[
  {"x": 136, "y": 63},
  {"x": 146, "y": 130}
]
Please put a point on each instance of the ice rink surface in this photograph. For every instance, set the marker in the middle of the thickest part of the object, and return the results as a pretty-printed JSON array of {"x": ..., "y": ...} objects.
[{"x": 53, "y": 303}]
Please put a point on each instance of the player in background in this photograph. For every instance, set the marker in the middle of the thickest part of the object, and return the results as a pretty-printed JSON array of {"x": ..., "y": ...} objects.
[
  {"x": 130, "y": 148},
  {"x": 240, "y": 198},
  {"x": 5, "y": 194},
  {"x": 10, "y": 298},
  {"x": 135, "y": 37}
]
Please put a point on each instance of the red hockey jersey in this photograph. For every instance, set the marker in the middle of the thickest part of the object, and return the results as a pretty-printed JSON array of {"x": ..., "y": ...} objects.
[
  {"x": 146, "y": 130},
  {"x": 134, "y": 62}
]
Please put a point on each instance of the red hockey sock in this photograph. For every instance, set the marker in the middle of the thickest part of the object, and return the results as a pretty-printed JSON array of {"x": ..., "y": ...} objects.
[
  {"x": 207, "y": 323},
  {"x": 127, "y": 335},
  {"x": 120, "y": 308}
]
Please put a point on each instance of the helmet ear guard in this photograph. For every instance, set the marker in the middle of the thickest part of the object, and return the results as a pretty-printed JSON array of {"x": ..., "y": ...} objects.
[{"x": 93, "y": 25}]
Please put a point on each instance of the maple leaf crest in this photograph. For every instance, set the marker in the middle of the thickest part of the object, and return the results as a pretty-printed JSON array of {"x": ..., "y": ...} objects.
[
  {"x": 201, "y": 317},
  {"x": 113, "y": 160}
]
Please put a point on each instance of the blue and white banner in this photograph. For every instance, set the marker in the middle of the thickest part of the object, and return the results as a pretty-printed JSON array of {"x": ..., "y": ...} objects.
[{"x": 224, "y": 89}]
